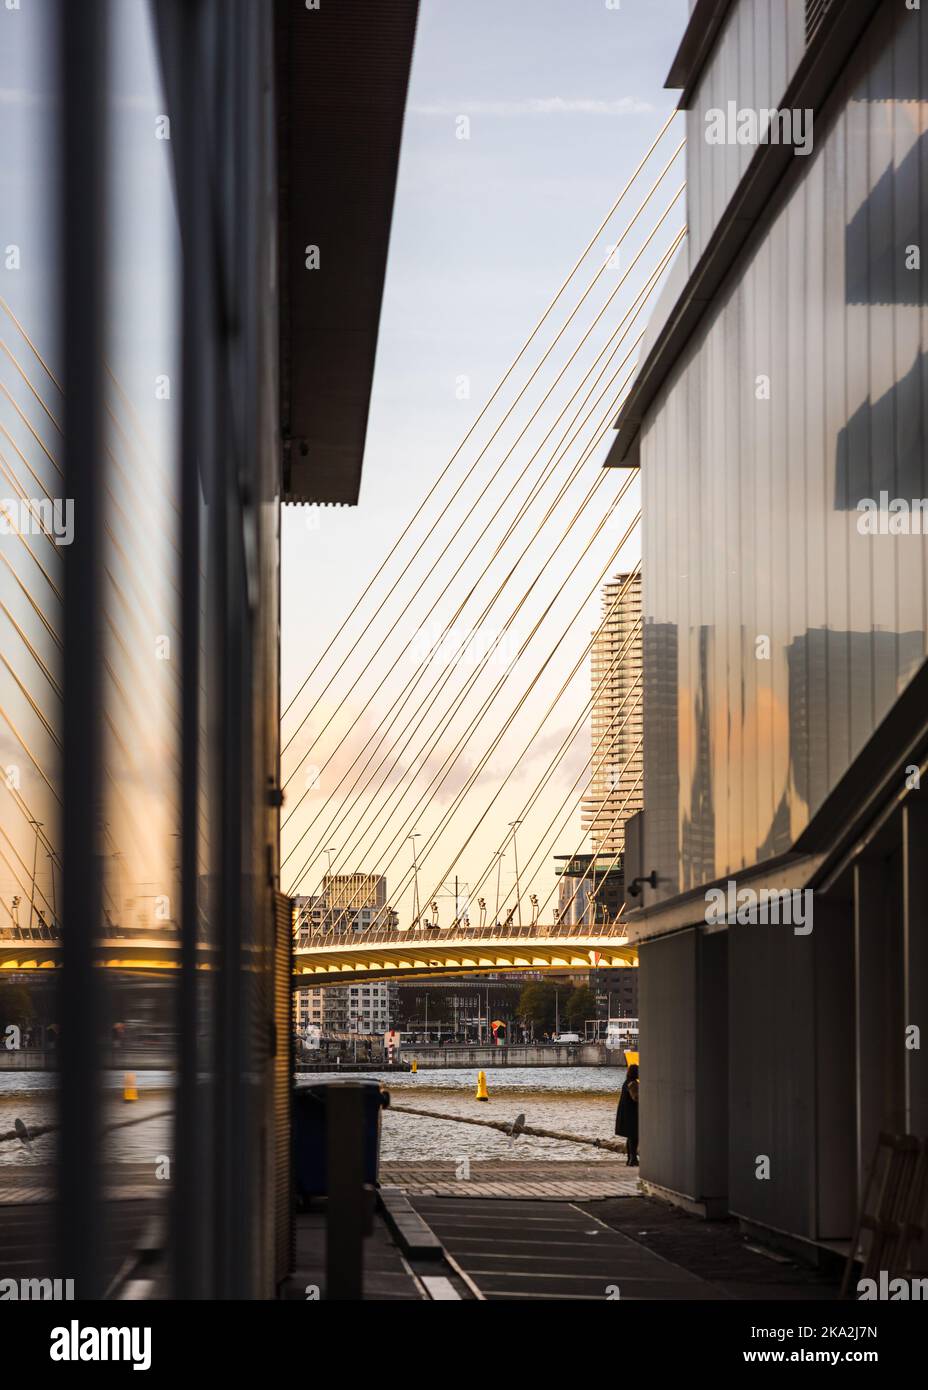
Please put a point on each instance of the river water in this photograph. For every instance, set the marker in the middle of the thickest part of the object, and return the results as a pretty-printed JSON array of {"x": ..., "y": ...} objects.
[
  {"x": 30, "y": 1096},
  {"x": 574, "y": 1100}
]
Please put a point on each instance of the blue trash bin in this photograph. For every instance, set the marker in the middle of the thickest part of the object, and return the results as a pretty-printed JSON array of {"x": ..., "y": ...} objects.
[{"x": 309, "y": 1133}]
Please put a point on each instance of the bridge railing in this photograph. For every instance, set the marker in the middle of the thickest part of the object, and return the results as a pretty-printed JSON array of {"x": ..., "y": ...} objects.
[
  {"x": 36, "y": 933},
  {"x": 423, "y": 935}
]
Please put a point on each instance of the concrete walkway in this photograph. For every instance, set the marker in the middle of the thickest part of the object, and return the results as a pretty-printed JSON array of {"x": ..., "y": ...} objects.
[{"x": 552, "y": 1250}]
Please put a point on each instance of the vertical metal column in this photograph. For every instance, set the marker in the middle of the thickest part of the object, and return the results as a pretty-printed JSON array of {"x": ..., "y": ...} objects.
[
  {"x": 870, "y": 974},
  {"x": 81, "y": 241},
  {"x": 237, "y": 1182},
  {"x": 915, "y": 963},
  {"x": 186, "y": 85},
  {"x": 835, "y": 1202},
  {"x": 348, "y": 1199},
  {"x": 284, "y": 1062}
]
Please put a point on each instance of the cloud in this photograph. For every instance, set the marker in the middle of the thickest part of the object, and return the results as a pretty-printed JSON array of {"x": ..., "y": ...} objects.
[{"x": 537, "y": 106}]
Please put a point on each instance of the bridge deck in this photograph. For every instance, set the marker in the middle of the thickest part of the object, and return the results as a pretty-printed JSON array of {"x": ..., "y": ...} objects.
[{"x": 380, "y": 953}]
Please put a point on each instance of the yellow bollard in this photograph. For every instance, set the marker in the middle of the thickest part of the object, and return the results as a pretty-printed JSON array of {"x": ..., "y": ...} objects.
[
  {"x": 481, "y": 1086},
  {"x": 129, "y": 1089},
  {"x": 414, "y": 1065}
]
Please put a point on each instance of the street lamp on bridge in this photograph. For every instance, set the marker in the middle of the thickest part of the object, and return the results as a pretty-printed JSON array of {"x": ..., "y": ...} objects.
[
  {"x": 415, "y": 876},
  {"x": 514, "y": 825}
]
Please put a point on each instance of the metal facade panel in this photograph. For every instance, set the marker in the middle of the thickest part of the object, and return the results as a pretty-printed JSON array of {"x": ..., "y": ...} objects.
[
  {"x": 753, "y": 58},
  {"x": 712, "y": 1066},
  {"x": 668, "y": 1003},
  {"x": 801, "y": 394},
  {"x": 283, "y": 1063},
  {"x": 772, "y": 1077},
  {"x": 835, "y": 1110},
  {"x": 219, "y": 58},
  {"x": 791, "y": 1077}
]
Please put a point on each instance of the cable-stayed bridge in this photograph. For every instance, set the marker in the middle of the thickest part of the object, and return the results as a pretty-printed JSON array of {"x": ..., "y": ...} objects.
[
  {"x": 398, "y": 771},
  {"x": 382, "y": 953},
  {"x": 409, "y": 736}
]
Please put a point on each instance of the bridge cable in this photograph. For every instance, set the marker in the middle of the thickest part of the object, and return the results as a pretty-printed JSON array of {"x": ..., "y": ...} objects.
[
  {"x": 441, "y": 776},
  {"x": 413, "y": 681},
  {"x": 630, "y": 316},
  {"x": 378, "y": 650},
  {"x": 398, "y": 542},
  {"x": 551, "y": 707}
]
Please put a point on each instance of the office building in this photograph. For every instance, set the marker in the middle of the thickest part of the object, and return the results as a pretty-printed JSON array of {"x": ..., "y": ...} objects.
[
  {"x": 781, "y": 389},
  {"x": 590, "y": 888},
  {"x": 352, "y": 902},
  {"x": 364, "y": 1008}
]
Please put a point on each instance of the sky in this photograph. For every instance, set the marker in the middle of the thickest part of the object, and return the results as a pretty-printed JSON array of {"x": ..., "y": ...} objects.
[{"x": 558, "y": 101}]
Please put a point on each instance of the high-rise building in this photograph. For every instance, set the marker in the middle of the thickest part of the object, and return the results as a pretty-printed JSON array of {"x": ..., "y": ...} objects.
[{"x": 615, "y": 791}]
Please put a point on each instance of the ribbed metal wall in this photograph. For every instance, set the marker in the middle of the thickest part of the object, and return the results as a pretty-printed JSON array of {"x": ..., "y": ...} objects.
[
  {"x": 757, "y": 50},
  {"x": 283, "y": 1086},
  {"x": 777, "y": 635}
]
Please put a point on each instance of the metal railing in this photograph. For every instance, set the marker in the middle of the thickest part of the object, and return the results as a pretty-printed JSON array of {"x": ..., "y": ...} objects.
[
  {"x": 43, "y": 932},
  {"x": 427, "y": 934}
]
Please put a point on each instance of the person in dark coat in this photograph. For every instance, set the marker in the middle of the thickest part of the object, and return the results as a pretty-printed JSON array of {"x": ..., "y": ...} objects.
[{"x": 626, "y": 1116}]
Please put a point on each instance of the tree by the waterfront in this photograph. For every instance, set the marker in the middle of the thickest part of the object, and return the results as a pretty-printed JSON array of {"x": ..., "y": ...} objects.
[
  {"x": 537, "y": 1006},
  {"x": 581, "y": 1005}
]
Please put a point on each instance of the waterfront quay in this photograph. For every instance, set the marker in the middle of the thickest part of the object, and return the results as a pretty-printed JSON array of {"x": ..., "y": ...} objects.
[
  {"x": 524, "y": 1196},
  {"x": 515, "y": 1055},
  {"x": 528, "y": 1196}
]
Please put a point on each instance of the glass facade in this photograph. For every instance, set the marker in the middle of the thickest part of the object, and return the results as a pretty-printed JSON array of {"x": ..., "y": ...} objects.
[
  {"x": 33, "y": 548},
  {"x": 141, "y": 601},
  {"x": 777, "y": 633},
  {"x": 162, "y": 173},
  {"x": 31, "y": 551},
  {"x": 139, "y": 598}
]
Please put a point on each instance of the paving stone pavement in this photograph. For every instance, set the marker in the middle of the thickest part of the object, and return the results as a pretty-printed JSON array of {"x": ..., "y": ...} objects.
[
  {"x": 36, "y": 1183},
  {"x": 549, "y": 1181},
  {"x": 545, "y": 1181}
]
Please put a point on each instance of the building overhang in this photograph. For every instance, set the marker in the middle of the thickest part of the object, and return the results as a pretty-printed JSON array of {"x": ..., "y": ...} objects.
[
  {"x": 342, "y": 76},
  {"x": 787, "y": 872},
  {"x": 705, "y": 21}
]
